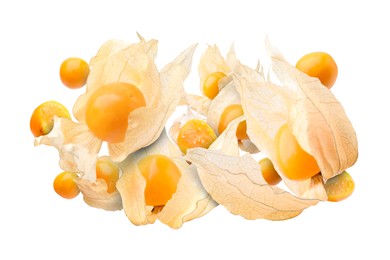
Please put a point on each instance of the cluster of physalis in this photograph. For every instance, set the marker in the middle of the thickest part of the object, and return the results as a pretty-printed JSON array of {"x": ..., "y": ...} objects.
[{"x": 206, "y": 157}]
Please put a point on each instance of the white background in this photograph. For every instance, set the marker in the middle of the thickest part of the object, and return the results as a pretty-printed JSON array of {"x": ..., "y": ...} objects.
[{"x": 36, "y": 36}]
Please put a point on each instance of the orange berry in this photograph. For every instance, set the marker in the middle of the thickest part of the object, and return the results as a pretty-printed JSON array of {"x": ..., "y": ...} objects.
[
  {"x": 195, "y": 133},
  {"x": 74, "y": 72},
  {"x": 229, "y": 114},
  {"x": 65, "y": 185},
  {"x": 320, "y": 65},
  {"x": 162, "y": 176},
  {"x": 42, "y": 119},
  {"x": 295, "y": 163},
  {"x": 210, "y": 84},
  {"x": 339, "y": 187},
  {"x": 270, "y": 175},
  {"x": 108, "y": 110}
]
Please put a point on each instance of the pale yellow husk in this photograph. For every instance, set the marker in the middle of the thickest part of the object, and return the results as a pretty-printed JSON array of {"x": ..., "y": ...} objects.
[
  {"x": 237, "y": 183},
  {"x": 311, "y": 112},
  {"x": 190, "y": 200},
  {"x": 117, "y": 61}
]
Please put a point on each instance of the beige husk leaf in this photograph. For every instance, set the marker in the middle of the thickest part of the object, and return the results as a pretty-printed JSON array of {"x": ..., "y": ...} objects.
[
  {"x": 190, "y": 200},
  {"x": 237, "y": 183},
  {"x": 76, "y": 155},
  {"x": 95, "y": 195},
  {"x": 117, "y": 61},
  {"x": 198, "y": 103}
]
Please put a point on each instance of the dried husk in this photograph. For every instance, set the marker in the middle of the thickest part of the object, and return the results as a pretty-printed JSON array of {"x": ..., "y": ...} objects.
[
  {"x": 77, "y": 154},
  {"x": 265, "y": 111},
  {"x": 237, "y": 183},
  {"x": 190, "y": 200},
  {"x": 95, "y": 195},
  {"x": 198, "y": 103},
  {"x": 134, "y": 64},
  {"x": 118, "y": 61},
  {"x": 312, "y": 113},
  {"x": 238, "y": 68},
  {"x": 317, "y": 119}
]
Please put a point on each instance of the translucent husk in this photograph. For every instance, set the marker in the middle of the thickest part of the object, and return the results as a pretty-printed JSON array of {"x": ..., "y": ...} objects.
[
  {"x": 236, "y": 181},
  {"x": 188, "y": 202},
  {"x": 313, "y": 115},
  {"x": 117, "y": 61}
]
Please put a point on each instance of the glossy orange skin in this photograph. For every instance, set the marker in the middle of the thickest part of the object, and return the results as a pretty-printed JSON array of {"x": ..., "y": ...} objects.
[
  {"x": 210, "y": 84},
  {"x": 270, "y": 175},
  {"x": 65, "y": 185},
  {"x": 295, "y": 163},
  {"x": 42, "y": 119},
  {"x": 339, "y": 187},
  {"x": 74, "y": 72},
  {"x": 229, "y": 114},
  {"x": 162, "y": 176},
  {"x": 320, "y": 65},
  {"x": 195, "y": 133},
  {"x": 108, "y": 171},
  {"x": 108, "y": 110}
]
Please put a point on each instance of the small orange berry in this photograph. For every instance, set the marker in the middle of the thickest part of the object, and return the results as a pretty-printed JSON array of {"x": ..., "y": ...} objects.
[
  {"x": 270, "y": 175},
  {"x": 229, "y": 114},
  {"x": 42, "y": 119},
  {"x": 211, "y": 84},
  {"x": 65, "y": 185},
  {"x": 74, "y": 72},
  {"x": 320, "y": 65},
  {"x": 195, "y": 133},
  {"x": 339, "y": 187}
]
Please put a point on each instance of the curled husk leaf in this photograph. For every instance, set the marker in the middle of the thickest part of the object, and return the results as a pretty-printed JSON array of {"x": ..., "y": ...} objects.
[
  {"x": 313, "y": 115},
  {"x": 190, "y": 200},
  {"x": 118, "y": 61},
  {"x": 95, "y": 195},
  {"x": 78, "y": 154},
  {"x": 198, "y": 103},
  {"x": 237, "y": 183}
]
